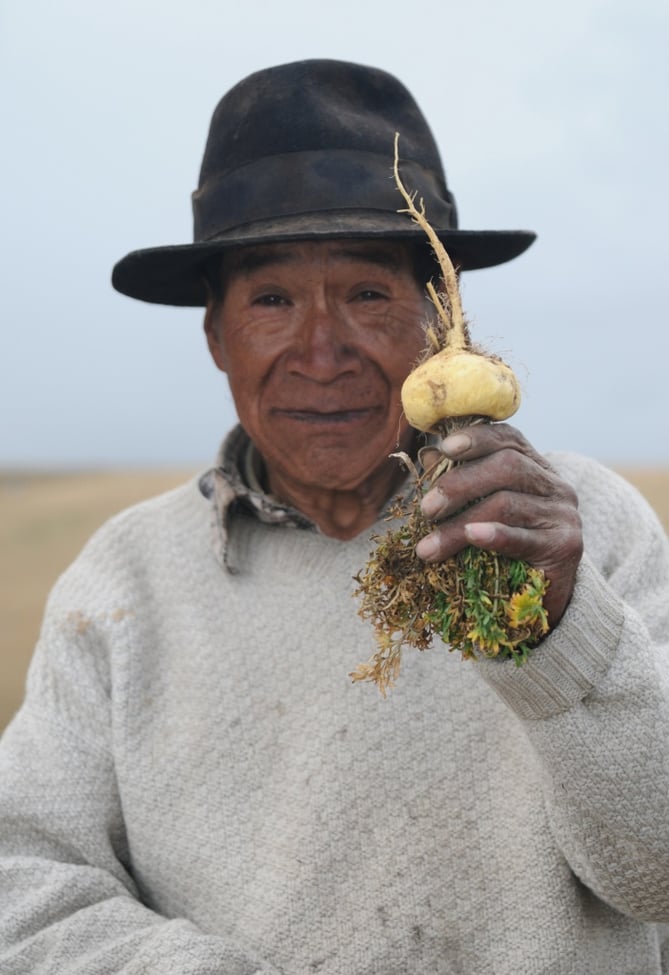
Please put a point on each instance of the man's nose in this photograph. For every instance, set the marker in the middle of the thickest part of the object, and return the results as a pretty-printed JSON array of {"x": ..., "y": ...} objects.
[{"x": 324, "y": 347}]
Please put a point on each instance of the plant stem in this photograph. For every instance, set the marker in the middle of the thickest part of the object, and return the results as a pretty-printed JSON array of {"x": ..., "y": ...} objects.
[{"x": 451, "y": 316}]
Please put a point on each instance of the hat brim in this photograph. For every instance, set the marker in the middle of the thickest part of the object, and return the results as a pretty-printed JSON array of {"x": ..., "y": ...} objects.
[{"x": 173, "y": 275}]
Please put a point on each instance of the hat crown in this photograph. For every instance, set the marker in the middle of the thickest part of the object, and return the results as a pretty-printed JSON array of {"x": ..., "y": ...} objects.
[{"x": 312, "y": 141}]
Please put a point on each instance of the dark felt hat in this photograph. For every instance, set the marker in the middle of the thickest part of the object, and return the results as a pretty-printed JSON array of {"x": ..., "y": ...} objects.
[{"x": 305, "y": 151}]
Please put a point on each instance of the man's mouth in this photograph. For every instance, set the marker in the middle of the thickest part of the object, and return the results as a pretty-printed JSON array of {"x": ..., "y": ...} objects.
[{"x": 326, "y": 416}]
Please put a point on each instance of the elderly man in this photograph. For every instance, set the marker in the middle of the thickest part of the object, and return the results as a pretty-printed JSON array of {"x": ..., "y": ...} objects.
[{"x": 193, "y": 785}]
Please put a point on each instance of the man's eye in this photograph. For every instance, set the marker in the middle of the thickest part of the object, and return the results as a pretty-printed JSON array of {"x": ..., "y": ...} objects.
[
  {"x": 369, "y": 294},
  {"x": 270, "y": 300}
]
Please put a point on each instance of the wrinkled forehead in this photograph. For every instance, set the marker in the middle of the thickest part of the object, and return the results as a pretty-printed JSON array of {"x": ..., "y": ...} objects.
[{"x": 393, "y": 255}]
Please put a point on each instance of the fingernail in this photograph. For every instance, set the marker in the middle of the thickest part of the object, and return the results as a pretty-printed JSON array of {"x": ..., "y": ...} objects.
[
  {"x": 480, "y": 533},
  {"x": 456, "y": 444},
  {"x": 427, "y": 548},
  {"x": 433, "y": 502}
]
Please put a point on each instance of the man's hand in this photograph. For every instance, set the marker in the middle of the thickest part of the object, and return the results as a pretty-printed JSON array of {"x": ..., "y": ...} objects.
[{"x": 517, "y": 505}]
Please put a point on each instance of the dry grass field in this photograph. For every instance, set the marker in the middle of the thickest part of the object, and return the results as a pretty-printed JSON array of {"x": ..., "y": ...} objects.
[{"x": 46, "y": 518}]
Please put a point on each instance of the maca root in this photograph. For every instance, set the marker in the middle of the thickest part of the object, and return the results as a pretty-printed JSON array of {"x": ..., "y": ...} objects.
[{"x": 480, "y": 603}]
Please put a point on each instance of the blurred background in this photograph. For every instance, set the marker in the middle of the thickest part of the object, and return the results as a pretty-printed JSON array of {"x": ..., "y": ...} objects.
[{"x": 551, "y": 118}]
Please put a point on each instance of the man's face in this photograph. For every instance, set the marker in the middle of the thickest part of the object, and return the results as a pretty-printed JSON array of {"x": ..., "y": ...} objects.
[{"x": 316, "y": 340}]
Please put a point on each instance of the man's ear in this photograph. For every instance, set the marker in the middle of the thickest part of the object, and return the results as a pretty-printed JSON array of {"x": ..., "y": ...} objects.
[{"x": 211, "y": 330}]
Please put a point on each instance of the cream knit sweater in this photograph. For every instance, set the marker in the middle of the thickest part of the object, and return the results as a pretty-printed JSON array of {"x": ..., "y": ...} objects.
[{"x": 195, "y": 787}]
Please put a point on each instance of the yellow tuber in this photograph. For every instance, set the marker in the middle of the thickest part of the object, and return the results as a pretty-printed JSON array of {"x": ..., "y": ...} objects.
[
  {"x": 479, "y": 602},
  {"x": 459, "y": 383}
]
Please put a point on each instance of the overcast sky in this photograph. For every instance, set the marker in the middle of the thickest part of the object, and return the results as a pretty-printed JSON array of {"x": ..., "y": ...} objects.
[{"x": 551, "y": 117}]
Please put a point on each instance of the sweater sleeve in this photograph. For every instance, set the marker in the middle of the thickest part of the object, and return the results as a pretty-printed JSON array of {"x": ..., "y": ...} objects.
[
  {"x": 68, "y": 902},
  {"x": 594, "y": 702}
]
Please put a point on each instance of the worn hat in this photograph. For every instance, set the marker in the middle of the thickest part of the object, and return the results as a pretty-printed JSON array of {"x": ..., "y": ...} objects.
[{"x": 304, "y": 151}]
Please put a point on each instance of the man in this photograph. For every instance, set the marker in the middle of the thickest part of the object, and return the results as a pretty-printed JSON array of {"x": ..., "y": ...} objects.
[{"x": 193, "y": 784}]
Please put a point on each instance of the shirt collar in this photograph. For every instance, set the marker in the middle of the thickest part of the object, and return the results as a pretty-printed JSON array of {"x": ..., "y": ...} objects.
[{"x": 234, "y": 484}]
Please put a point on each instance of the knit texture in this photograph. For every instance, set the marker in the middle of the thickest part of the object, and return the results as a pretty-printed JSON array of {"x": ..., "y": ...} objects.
[{"x": 194, "y": 786}]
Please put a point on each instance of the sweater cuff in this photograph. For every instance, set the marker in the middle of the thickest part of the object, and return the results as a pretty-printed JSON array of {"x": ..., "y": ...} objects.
[{"x": 568, "y": 663}]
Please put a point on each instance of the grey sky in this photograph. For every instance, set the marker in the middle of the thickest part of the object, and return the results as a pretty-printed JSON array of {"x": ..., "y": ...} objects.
[{"x": 549, "y": 117}]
